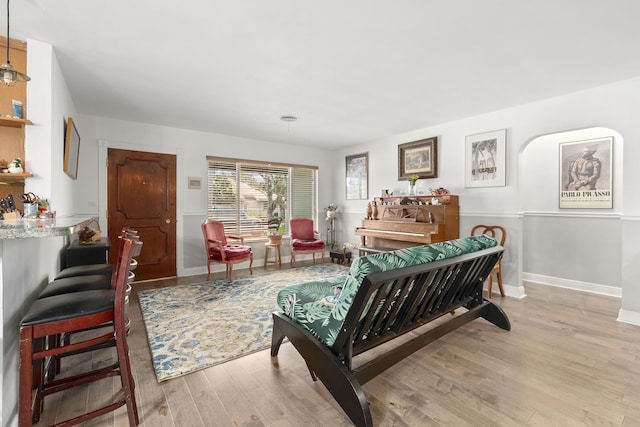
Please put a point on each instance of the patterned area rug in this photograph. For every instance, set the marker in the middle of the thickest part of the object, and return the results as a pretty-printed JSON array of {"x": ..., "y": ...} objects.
[{"x": 192, "y": 327}]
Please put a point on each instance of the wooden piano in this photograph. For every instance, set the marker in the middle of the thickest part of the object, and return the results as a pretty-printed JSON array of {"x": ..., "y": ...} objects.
[{"x": 417, "y": 222}]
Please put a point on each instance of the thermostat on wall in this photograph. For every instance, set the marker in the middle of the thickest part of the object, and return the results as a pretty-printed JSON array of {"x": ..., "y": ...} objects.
[{"x": 194, "y": 183}]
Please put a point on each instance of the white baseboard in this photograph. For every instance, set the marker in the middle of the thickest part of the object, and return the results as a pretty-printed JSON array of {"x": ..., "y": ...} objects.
[
  {"x": 627, "y": 316},
  {"x": 512, "y": 291},
  {"x": 594, "y": 288}
]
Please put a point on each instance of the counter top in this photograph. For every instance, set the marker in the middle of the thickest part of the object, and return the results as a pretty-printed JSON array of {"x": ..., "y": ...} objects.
[{"x": 23, "y": 228}]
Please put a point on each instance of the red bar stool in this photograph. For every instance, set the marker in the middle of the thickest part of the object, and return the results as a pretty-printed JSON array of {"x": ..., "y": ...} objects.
[{"x": 66, "y": 313}]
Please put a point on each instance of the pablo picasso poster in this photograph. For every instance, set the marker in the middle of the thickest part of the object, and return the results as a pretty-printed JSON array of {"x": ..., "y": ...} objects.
[{"x": 586, "y": 174}]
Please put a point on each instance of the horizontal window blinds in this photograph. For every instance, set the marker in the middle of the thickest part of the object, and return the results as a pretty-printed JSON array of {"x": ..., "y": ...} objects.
[{"x": 246, "y": 195}]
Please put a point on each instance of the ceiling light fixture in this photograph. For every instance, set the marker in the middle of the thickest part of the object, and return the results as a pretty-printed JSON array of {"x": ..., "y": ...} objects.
[
  {"x": 289, "y": 120},
  {"x": 9, "y": 75}
]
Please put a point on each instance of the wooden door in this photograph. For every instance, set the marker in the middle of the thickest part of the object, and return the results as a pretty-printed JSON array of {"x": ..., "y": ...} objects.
[{"x": 141, "y": 192}]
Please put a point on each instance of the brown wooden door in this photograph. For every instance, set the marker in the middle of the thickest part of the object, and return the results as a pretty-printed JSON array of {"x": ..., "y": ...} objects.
[{"x": 141, "y": 192}]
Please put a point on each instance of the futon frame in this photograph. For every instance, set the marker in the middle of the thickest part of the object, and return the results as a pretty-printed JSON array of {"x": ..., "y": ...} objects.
[{"x": 387, "y": 305}]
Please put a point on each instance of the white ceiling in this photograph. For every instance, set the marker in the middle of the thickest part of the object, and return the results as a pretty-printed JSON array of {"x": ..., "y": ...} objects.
[{"x": 352, "y": 70}]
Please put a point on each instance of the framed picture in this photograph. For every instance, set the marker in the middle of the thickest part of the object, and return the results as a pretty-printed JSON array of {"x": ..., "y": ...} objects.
[
  {"x": 586, "y": 174},
  {"x": 357, "y": 176},
  {"x": 71, "y": 149},
  {"x": 485, "y": 159},
  {"x": 418, "y": 158}
]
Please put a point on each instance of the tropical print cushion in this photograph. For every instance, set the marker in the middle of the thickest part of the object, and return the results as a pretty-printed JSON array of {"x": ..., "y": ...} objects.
[
  {"x": 310, "y": 303},
  {"x": 327, "y": 313}
]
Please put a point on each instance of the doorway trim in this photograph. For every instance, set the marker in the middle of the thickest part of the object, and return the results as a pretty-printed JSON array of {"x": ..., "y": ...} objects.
[{"x": 103, "y": 146}]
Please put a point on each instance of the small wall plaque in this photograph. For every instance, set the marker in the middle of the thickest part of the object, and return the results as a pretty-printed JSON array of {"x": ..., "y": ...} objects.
[{"x": 194, "y": 183}]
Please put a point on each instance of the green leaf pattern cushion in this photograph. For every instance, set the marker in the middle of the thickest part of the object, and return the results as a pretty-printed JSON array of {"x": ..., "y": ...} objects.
[{"x": 322, "y": 306}]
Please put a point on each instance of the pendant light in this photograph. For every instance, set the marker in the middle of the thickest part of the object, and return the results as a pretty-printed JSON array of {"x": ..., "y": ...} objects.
[{"x": 9, "y": 75}]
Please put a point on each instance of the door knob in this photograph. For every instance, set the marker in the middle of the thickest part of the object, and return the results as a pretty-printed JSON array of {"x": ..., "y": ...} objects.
[{"x": 168, "y": 221}]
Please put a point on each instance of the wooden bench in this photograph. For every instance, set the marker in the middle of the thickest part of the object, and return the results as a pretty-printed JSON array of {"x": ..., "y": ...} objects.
[{"x": 386, "y": 305}]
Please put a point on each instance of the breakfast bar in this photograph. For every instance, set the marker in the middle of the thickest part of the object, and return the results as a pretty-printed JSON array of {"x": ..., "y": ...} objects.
[{"x": 31, "y": 253}]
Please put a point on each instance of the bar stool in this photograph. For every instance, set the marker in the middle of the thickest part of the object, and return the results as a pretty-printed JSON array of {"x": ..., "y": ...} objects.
[
  {"x": 93, "y": 269},
  {"x": 61, "y": 314},
  {"x": 277, "y": 260}
]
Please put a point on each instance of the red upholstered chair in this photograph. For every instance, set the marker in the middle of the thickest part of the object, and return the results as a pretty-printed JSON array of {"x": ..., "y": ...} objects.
[
  {"x": 218, "y": 250},
  {"x": 304, "y": 239}
]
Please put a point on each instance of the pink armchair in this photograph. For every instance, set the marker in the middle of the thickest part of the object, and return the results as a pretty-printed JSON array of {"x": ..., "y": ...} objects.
[
  {"x": 218, "y": 250},
  {"x": 304, "y": 239}
]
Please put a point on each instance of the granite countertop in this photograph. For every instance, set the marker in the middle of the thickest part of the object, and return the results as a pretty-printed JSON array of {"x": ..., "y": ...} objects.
[{"x": 23, "y": 228}]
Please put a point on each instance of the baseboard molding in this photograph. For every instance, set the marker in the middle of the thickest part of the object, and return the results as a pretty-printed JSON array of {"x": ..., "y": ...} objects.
[
  {"x": 512, "y": 291},
  {"x": 627, "y": 316},
  {"x": 577, "y": 285}
]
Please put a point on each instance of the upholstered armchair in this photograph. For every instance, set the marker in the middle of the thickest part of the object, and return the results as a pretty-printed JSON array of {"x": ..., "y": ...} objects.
[
  {"x": 304, "y": 239},
  {"x": 218, "y": 250}
]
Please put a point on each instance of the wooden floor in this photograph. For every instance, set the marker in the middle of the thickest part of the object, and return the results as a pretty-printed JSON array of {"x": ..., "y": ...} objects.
[{"x": 566, "y": 362}]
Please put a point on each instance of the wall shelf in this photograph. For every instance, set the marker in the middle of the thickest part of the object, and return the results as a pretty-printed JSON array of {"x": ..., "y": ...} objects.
[
  {"x": 14, "y": 177},
  {"x": 14, "y": 123}
]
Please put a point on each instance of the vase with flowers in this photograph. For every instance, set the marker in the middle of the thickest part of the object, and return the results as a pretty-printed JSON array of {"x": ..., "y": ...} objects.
[{"x": 412, "y": 184}]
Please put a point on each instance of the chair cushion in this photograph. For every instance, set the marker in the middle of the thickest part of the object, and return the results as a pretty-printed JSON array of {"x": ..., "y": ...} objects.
[
  {"x": 306, "y": 245},
  {"x": 76, "y": 284},
  {"x": 310, "y": 303},
  {"x": 68, "y": 306},
  {"x": 232, "y": 252},
  {"x": 84, "y": 270}
]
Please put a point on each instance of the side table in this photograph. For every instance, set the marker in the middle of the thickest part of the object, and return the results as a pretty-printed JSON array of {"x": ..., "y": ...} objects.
[
  {"x": 277, "y": 260},
  {"x": 343, "y": 257},
  {"x": 91, "y": 253}
]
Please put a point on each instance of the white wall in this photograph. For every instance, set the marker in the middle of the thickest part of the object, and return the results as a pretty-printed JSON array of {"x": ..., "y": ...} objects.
[
  {"x": 191, "y": 149},
  {"x": 611, "y": 269},
  {"x": 28, "y": 264}
]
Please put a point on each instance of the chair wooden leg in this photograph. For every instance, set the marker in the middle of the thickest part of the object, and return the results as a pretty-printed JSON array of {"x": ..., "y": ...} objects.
[
  {"x": 251, "y": 260},
  {"x": 230, "y": 271},
  {"x": 126, "y": 377},
  {"x": 490, "y": 285},
  {"x": 208, "y": 270},
  {"x": 499, "y": 276},
  {"x": 26, "y": 377}
]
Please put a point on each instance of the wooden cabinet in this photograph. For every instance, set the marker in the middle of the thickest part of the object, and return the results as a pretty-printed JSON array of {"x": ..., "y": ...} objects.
[
  {"x": 12, "y": 130},
  {"x": 404, "y": 221}
]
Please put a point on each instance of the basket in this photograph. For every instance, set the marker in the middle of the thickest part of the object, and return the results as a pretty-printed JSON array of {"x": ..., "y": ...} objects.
[{"x": 89, "y": 235}]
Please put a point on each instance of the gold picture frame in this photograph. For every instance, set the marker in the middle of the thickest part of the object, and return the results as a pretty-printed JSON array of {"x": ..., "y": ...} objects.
[
  {"x": 71, "y": 149},
  {"x": 418, "y": 158}
]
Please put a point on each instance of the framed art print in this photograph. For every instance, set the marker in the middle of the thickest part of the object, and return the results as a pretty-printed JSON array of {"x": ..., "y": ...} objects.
[
  {"x": 485, "y": 159},
  {"x": 586, "y": 174},
  {"x": 418, "y": 158},
  {"x": 357, "y": 179}
]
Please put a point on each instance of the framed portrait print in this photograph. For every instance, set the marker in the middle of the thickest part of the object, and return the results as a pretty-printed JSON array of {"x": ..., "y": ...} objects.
[
  {"x": 418, "y": 158},
  {"x": 586, "y": 174},
  {"x": 485, "y": 159},
  {"x": 357, "y": 176},
  {"x": 71, "y": 149}
]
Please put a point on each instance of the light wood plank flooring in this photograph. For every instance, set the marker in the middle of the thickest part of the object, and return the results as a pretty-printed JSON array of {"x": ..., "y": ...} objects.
[{"x": 566, "y": 362}]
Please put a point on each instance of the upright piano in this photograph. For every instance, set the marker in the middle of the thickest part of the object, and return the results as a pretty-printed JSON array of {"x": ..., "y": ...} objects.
[{"x": 403, "y": 221}]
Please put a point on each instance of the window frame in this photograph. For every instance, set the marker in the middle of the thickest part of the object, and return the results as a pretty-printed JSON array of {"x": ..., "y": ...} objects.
[{"x": 297, "y": 182}]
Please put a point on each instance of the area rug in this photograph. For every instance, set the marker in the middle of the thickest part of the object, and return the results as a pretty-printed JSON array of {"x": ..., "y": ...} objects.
[{"x": 191, "y": 327}]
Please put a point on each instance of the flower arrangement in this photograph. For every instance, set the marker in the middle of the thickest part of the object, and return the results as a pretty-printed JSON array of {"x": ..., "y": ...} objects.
[
  {"x": 413, "y": 178},
  {"x": 331, "y": 210}
]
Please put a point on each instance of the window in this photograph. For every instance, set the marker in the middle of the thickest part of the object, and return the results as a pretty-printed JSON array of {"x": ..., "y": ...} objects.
[{"x": 245, "y": 195}]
